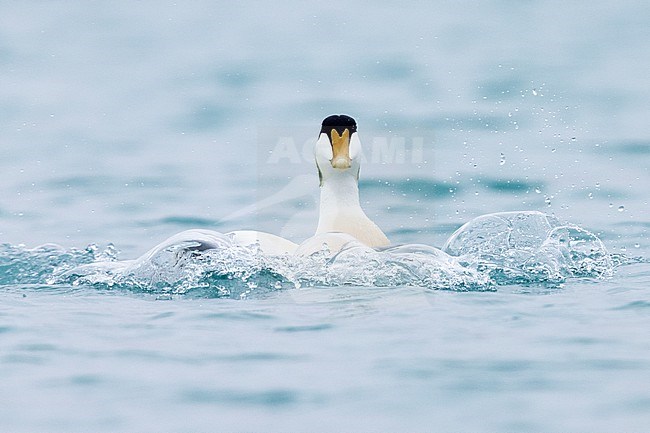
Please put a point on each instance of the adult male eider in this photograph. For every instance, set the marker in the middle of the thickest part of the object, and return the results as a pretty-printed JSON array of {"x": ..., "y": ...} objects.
[{"x": 341, "y": 219}]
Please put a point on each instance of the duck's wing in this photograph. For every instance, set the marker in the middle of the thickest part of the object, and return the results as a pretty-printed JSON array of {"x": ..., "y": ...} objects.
[{"x": 268, "y": 243}]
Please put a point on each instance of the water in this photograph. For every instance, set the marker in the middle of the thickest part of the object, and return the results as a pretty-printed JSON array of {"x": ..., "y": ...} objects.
[{"x": 124, "y": 124}]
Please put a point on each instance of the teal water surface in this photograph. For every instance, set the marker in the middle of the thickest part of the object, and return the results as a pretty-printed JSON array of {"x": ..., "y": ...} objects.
[{"x": 122, "y": 124}]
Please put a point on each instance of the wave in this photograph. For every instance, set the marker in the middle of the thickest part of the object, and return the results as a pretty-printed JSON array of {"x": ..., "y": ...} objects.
[
  {"x": 529, "y": 247},
  {"x": 489, "y": 251}
]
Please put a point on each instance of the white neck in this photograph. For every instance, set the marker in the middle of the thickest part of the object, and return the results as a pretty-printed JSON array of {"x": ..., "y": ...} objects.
[
  {"x": 340, "y": 210},
  {"x": 339, "y": 192}
]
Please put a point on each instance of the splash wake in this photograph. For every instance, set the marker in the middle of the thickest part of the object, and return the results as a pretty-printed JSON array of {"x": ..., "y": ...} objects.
[{"x": 491, "y": 250}]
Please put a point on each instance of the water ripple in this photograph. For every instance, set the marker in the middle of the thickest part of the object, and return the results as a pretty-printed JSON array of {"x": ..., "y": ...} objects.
[
  {"x": 635, "y": 305},
  {"x": 273, "y": 397},
  {"x": 304, "y": 328}
]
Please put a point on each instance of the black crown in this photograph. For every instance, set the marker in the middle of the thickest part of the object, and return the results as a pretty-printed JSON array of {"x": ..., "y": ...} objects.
[{"x": 339, "y": 122}]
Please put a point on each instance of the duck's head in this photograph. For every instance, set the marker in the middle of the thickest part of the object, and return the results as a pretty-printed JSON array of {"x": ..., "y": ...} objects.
[{"x": 338, "y": 148}]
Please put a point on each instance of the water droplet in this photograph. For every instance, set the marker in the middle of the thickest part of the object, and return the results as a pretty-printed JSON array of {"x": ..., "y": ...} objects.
[
  {"x": 538, "y": 190},
  {"x": 611, "y": 205},
  {"x": 637, "y": 245},
  {"x": 590, "y": 195},
  {"x": 534, "y": 92},
  {"x": 621, "y": 208},
  {"x": 597, "y": 184},
  {"x": 547, "y": 200},
  {"x": 503, "y": 159}
]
